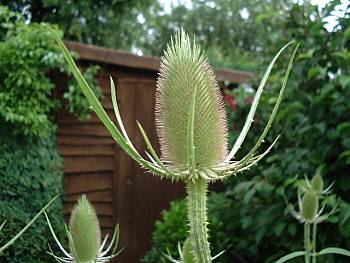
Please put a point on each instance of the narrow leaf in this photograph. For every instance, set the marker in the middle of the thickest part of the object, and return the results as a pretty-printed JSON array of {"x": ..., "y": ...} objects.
[
  {"x": 254, "y": 106},
  {"x": 117, "y": 113},
  {"x": 290, "y": 256},
  {"x": 278, "y": 102},
  {"x": 334, "y": 250}
]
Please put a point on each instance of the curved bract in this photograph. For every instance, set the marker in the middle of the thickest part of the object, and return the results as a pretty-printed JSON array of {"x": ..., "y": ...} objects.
[{"x": 185, "y": 70}]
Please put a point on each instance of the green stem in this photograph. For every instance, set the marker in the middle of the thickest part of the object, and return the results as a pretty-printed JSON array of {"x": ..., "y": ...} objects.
[
  {"x": 307, "y": 242},
  {"x": 197, "y": 215},
  {"x": 314, "y": 236}
]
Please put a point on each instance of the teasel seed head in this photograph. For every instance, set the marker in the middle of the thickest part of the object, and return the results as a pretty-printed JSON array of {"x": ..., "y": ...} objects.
[
  {"x": 309, "y": 206},
  {"x": 187, "y": 251},
  {"x": 85, "y": 232},
  {"x": 184, "y": 69}
]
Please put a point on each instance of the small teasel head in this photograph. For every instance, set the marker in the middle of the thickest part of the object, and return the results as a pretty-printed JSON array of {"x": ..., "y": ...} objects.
[
  {"x": 317, "y": 181},
  {"x": 85, "y": 232},
  {"x": 84, "y": 237},
  {"x": 185, "y": 70},
  {"x": 309, "y": 206},
  {"x": 187, "y": 251}
]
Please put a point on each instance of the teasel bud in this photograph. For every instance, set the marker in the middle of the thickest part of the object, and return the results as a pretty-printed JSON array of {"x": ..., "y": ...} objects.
[
  {"x": 187, "y": 251},
  {"x": 309, "y": 206},
  {"x": 85, "y": 232},
  {"x": 317, "y": 183},
  {"x": 185, "y": 70}
]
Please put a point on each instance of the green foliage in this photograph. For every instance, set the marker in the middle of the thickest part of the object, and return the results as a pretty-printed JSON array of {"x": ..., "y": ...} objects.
[
  {"x": 173, "y": 228},
  {"x": 227, "y": 29},
  {"x": 28, "y": 53},
  {"x": 109, "y": 23},
  {"x": 313, "y": 123},
  {"x": 168, "y": 232},
  {"x": 30, "y": 176}
]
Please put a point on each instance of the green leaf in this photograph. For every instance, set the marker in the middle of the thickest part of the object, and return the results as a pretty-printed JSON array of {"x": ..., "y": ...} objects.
[
  {"x": 344, "y": 81},
  {"x": 334, "y": 250},
  {"x": 278, "y": 102},
  {"x": 343, "y": 129},
  {"x": 291, "y": 256},
  {"x": 316, "y": 72},
  {"x": 254, "y": 106}
]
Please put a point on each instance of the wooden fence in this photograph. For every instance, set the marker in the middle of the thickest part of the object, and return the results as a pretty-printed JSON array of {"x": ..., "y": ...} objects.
[{"x": 93, "y": 164}]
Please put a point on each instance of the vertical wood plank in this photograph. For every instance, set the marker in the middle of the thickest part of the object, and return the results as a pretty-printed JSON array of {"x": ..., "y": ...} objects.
[{"x": 126, "y": 91}]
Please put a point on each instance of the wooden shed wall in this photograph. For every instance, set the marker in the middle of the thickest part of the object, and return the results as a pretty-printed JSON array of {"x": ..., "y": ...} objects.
[{"x": 94, "y": 165}]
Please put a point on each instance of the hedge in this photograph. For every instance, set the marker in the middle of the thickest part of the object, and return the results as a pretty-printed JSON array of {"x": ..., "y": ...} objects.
[{"x": 30, "y": 176}]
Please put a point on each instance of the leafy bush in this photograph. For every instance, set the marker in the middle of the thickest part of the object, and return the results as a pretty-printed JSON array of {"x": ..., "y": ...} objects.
[
  {"x": 28, "y": 53},
  {"x": 314, "y": 122},
  {"x": 30, "y": 176}
]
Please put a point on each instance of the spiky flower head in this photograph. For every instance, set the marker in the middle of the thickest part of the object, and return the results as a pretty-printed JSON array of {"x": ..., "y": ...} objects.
[
  {"x": 85, "y": 231},
  {"x": 309, "y": 206},
  {"x": 185, "y": 70}
]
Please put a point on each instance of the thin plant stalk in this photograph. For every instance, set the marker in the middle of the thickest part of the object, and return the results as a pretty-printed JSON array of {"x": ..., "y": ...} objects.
[
  {"x": 24, "y": 229},
  {"x": 307, "y": 242},
  {"x": 314, "y": 237}
]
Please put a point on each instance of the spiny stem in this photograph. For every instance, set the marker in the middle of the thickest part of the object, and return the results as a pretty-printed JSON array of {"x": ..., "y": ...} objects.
[
  {"x": 314, "y": 236},
  {"x": 307, "y": 242},
  {"x": 197, "y": 215}
]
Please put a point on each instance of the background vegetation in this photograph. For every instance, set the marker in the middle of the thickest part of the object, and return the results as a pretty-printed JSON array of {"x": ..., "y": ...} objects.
[{"x": 30, "y": 167}]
